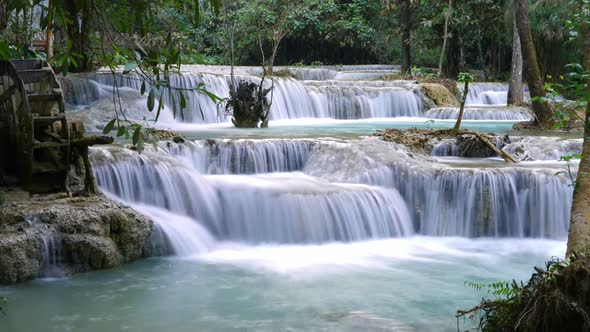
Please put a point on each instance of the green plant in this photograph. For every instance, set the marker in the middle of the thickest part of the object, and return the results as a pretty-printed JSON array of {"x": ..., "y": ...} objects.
[{"x": 516, "y": 303}]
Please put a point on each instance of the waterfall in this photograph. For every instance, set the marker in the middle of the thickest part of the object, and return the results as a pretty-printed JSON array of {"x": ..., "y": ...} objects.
[
  {"x": 293, "y": 208},
  {"x": 443, "y": 201},
  {"x": 524, "y": 148},
  {"x": 243, "y": 156},
  {"x": 543, "y": 148},
  {"x": 445, "y": 148},
  {"x": 483, "y": 202},
  {"x": 482, "y": 113},
  {"x": 348, "y": 191},
  {"x": 185, "y": 235},
  {"x": 292, "y": 99},
  {"x": 283, "y": 209},
  {"x": 51, "y": 244},
  {"x": 156, "y": 179},
  {"x": 487, "y": 94}
]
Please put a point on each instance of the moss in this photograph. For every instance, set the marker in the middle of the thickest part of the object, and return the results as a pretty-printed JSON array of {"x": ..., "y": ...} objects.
[
  {"x": 439, "y": 94},
  {"x": 284, "y": 73}
]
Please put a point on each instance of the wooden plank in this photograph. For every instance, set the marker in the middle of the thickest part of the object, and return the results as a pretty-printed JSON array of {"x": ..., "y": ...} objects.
[
  {"x": 27, "y": 64},
  {"x": 35, "y": 75},
  {"x": 38, "y": 98},
  {"x": 47, "y": 120},
  {"x": 48, "y": 145}
]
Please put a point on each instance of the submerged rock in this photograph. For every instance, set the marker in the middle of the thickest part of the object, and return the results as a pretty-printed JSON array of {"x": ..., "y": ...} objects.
[{"x": 48, "y": 236}]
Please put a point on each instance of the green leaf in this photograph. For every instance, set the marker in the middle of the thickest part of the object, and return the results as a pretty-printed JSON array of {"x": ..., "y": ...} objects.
[
  {"x": 121, "y": 131},
  {"x": 129, "y": 66},
  {"x": 136, "y": 135},
  {"x": 150, "y": 101},
  {"x": 182, "y": 100},
  {"x": 142, "y": 88},
  {"x": 109, "y": 126}
]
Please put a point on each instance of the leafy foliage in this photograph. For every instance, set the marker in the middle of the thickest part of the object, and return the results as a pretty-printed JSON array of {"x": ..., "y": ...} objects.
[
  {"x": 249, "y": 105},
  {"x": 551, "y": 297}
]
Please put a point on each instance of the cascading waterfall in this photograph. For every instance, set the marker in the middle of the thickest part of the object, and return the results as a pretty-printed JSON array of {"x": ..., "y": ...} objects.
[
  {"x": 326, "y": 203},
  {"x": 524, "y": 148},
  {"x": 50, "y": 260},
  {"x": 482, "y": 113},
  {"x": 243, "y": 156},
  {"x": 231, "y": 207},
  {"x": 292, "y": 99},
  {"x": 543, "y": 148},
  {"x": 299, "y": 209},
  {"x": 487, "y": 94},
  {"x": 483, "y": 202},
  {"x": 469, "y": 202}
]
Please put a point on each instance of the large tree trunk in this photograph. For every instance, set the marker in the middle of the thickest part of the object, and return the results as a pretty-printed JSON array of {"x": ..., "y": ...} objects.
[
  {"x": 515, "y": 87},
  {"x": 405, "y": 16},
  {"x": 452, "y": 63},
  {"x": 541, "y": 109},
  {"x": 444, "y": 47},
  {"x": 579, "y": 232}
]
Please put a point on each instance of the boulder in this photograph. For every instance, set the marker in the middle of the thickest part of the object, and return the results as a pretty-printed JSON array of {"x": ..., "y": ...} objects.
[{"x": 43, "y": 234}]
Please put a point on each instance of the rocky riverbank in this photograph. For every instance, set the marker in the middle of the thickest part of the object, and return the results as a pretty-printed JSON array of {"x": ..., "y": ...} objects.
[
  {"x": 55, "y": 235},
  {"x": 424, "y": 141}
]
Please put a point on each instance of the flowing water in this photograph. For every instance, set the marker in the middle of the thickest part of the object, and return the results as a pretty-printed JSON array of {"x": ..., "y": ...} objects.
[{"x": 311, "y": 224}]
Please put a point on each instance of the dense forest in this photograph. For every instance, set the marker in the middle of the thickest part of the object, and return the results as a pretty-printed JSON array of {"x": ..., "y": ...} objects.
[{"x": 478, "y": 33}]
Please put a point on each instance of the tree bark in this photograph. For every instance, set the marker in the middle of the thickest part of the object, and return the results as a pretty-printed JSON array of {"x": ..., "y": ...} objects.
[
  {"x": 4, "y": 14},
  {"x": 541, "y": 109},
  {"x": 444, "y": 47},
  {"x": 579, "y": 231},
  {"x": 405, "y": 19},
  {"x": 49, "y": 37},
  {"x": 462, "y": 109},
  {"x": 515, "y": 96},
  {"x": 452, "y": 62}
]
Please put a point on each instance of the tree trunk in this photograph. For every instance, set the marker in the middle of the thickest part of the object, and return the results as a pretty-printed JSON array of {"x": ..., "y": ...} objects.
[
  {"x": 541, "y": 109},
  {"x": 273, "y": 56},
  {"x": 49, "y": 37},
  {"x": 4, "y": 14},
  {"x": 452, "y": 65},
  {"x": 405, "y": 18},
  {"x": 462, "y": 109},
  {"x": 579, "y": 231},
  {"x": 444, "y": 47},
  {"x": 515, "y": 87}
]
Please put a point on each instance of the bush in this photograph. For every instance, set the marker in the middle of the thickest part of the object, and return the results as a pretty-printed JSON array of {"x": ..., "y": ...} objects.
[{"x": 556, "y": 298}]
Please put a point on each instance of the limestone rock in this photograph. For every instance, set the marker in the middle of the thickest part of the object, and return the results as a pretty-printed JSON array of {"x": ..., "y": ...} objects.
[
  {"x": 439, "y": 95},
  {"x": 75, "y": 234}
]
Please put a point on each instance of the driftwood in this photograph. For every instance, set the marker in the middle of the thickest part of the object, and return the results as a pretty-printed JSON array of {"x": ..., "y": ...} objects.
[
  {"x": 505, "y": 155},
  {"x": 417, "y": 139}
]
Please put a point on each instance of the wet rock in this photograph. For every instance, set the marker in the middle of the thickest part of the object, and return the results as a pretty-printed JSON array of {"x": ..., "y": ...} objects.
[
  {"x": 439, "y": 95},
  {"x": 79, "y": 234}
]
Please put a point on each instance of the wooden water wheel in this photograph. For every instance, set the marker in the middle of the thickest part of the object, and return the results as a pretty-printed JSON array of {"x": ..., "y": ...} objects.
[{"x": 34, "y": 132}]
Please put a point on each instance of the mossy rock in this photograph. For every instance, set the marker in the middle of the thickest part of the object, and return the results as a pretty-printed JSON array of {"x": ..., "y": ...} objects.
[{"x": 439, "y": 94}]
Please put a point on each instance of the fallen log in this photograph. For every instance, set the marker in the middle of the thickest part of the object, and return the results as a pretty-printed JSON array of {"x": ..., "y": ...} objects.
[{"x": 506, "y": 156}]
